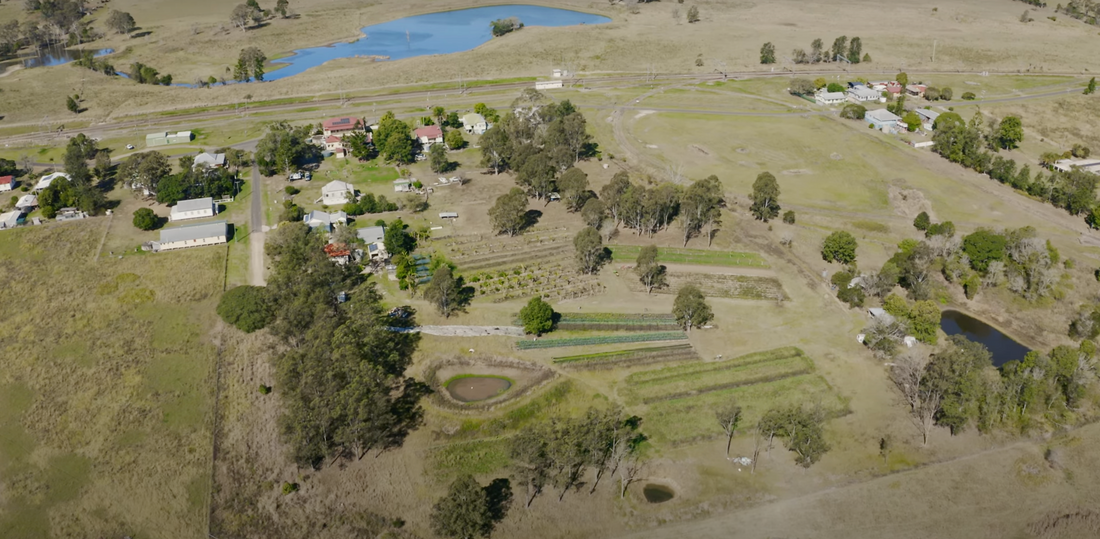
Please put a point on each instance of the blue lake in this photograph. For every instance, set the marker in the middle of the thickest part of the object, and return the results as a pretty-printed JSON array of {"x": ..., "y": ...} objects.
[
  {"x": 1001, "y": 346},
  {"x": 434, "y": 33}
]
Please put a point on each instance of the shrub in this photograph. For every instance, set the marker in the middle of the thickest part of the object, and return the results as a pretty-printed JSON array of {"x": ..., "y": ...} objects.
[
  {"x": 537, "y": 316},
  {"x": 922, "y": 222},
  {"x": 290, "y": 487},
  {"x": 145, "y": 219},
  {"x": 853, "y": 112},
  {"x": 291, "y": 190},
  {"x": 264, "y": 390},
  {"x": 246, "y": 307},
  {"x": 969, "y": 96},
  {"x": 788, "y": 217}
]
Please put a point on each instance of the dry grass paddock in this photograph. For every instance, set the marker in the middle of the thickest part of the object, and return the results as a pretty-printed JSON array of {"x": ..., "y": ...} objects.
[
  {"x": 107, "y": 373},
  {"x": 195, "y": 40}
]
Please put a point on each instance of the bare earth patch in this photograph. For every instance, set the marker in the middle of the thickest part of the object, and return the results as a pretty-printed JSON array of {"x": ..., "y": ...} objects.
[{"x": 909, "y": 203}]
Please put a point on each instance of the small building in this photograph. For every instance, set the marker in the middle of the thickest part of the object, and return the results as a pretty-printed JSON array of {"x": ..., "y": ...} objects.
[
  {"x": 338, "y": 127},
  {"x": 374, "y": 237},
  {"x": 335, "y": 145},
  {"x": 448, "y": 215},
  {"x": 830, "y": 98},
  {"x": 196, "y": 208},
  {"x": 1087, "y": 165},
  {"x": 325, "y": 220},
  {"x": 196, "y": 235},
  {"x": 895, "y": 88},
  {"x": 164, "y": 139},
  {"x": 548, "y": 84},
  {"x": 863, "y": 94},
  {"x": 879, "y": 313},
  {"x": 70, "y": 214},
  {"x": 916, "y": 90},
  {"x": 338, "y": 253},
  {"x": 882, "y": 119},
  {"x": 47, "y": 180},
  {"x": 337, "y": 192},
  {"x": 927, "y": 117},
  {"x": 27, "y": 203},
  {"x": 557, "y": 74},
  {"x": 212, "y": 160},
  {"x": 10, "y": 219},
  {"x": 402, "y": 186},
  {"x": 7, "y": 183},
  {"x": 474, "y": 123},
  {"x": 428, "y": 135}
]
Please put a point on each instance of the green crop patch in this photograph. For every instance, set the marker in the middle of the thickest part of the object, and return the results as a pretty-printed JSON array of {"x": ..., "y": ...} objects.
[
  {"x": 631, "y": 357},
  {"x": 672, "y": 255},
  {"x": 605, "y": 339}
]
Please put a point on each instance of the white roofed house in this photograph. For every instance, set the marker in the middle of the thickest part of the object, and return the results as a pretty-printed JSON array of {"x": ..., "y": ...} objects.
[
  {"x": 196, "y": 208},
  {"x": 830, "y": 98},
  {"x": 212, "y": 160},
  {"x": 47, "y": 180},
  {"x": 863, "y": 94},
  {"x": 325, "y": 220},
  {"x": 374, "y": 238},
  {"x": 196, "y": 235},
  {"x": 927, "y": 117},
  {"x": 402, "y": 186},
  {"x": 474, "y": 123},
  {"x": 26, "y": 203},
  {"x": 336, "y": 192},
  {"x": 10, "y": 219}
]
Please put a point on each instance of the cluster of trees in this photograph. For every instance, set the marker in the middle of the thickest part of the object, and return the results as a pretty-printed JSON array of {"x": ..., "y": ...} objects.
[
  {"x": 1082, "y": 10},
  {"x": 393, "y": 139},
  {"x": 368, "y": 203},
  {"x": 1079, "y": 151},
  {"x": 246, "y": 15},
  {"x": 558, "y": 453},
  {"x": 959, "y": 387},
  {"x": 842, "y": 50},
  {"x": 500, "y": 27},
  {"x": 143, "y": 74},
  {"x": 284, "y": 148},
  {"x": 933, "y": 93},
  {"x": 972, "y": 145},
  {"x": 89, "y": 61},
  {"x": 920, "y": 319},
  {"x": 537, "y": 140},
  {"x": 121, "y": 22},
  {"x": 446, "y": 291},
  {"x": 342, "y": 373},
  {"x": 62, "y": 22},
  {"x": 469, "y": 510},
  {"x": 80, "y": 190},
  {"x": 250, "y": 65},
  {"x": 195, "y": 182}
]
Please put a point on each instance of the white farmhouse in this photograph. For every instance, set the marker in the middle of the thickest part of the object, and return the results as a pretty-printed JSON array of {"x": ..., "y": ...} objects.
[
  {"x": 48, "y": 179},
  {"x": 336, "y": 193},
  {"x": 474, "y": 123},
  {"x": 211, "y": 160},
  {"x": 196, "y": 208},
  {"x": 196, "y": 235},
  {"x": 830, "y": 98}
]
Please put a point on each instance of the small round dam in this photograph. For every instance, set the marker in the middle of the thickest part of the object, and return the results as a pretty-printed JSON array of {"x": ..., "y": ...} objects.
[{"x": 474, "y": 388}]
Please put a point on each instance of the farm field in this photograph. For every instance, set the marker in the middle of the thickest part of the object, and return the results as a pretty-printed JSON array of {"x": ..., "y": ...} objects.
[
  {"x": 106, "y": 369},
  {"x": 629, "y": 358},
  {"x": 750, "y": 287},
  {"x": 706, "y": 257},
  {"x": 604, "y": 339}
]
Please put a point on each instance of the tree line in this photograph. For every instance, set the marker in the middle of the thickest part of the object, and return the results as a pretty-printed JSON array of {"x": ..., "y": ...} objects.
[
  {"x": 959, "y": 387},
  {"x": 1082, "y": 10},
  {"x": 972, "y": 144},
  {"x": 341, "y": 373}
]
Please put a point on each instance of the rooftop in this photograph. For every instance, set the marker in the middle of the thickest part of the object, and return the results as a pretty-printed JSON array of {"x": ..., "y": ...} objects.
[
  {"x": 7, "y": 180},
  {"x": 210, "y": 159},
  {"x": 372, "y": 234},
  {"x": 194, "y": 232},
  {"x": 882, "y": 115},
  {"x": 863, "y": 91},
  {"x": 473, "y": 118},
  {"x": 428, "y": 131},
  {"x": 346, "y": 123},
  {"x": 195, "y": 204},
  {"x": 831, "y": 95},
  {"x": 337, "y": 186}
]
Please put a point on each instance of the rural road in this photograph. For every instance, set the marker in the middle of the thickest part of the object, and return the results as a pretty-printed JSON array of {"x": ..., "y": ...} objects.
[
  {"x": 256, "y": 230},
  {"x": 464, "y": 331}
]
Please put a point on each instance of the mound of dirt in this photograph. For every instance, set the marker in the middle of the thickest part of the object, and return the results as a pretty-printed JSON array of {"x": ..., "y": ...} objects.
[{"x": 909, "y": 203}]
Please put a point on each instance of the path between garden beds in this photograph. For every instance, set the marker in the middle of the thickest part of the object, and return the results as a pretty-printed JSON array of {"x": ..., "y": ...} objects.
[{"x": 465, "y": 331}]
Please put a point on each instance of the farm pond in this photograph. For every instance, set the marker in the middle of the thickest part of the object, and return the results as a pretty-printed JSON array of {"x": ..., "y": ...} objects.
[
  {"x": 1001, "y": 346},
  {"x": 433, "y": 33},
  {"x": 655, "y": 493},
  {"x": 477, "y": 388}
]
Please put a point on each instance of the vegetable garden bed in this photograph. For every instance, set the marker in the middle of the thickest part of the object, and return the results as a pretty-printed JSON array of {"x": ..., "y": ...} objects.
[
  {"x": 606, "y": 339},
  {"x": 631, "y": 357},
  {"x": 672, "y": 255}
]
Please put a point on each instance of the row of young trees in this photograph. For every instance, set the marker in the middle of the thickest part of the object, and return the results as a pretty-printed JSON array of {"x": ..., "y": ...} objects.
[{"x": 841, "y": 51}]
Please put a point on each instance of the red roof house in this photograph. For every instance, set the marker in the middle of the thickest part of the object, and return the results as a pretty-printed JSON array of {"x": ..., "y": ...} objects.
[
  {"x": 341, "y": 126},
  {"x": 429, "y": 135},
  {"x": 7, "y": 183}
]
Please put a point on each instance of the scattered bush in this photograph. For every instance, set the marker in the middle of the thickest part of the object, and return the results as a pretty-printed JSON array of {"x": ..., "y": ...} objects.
[
  {"x": 264, "y": 390},
  {"x": 145, "y": 219},
  {"x": 246, "y": 307},
  {"x": 290, "y": 487},
  {"x": 788, "y": 217},
  {"x": 291, "y": 190}
]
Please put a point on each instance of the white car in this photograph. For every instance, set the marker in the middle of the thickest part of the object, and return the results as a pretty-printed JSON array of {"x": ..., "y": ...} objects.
[{"x": 129, "y": 146}]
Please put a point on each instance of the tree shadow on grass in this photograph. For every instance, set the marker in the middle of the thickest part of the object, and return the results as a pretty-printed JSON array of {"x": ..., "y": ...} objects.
[{"x": 531, "y": 218}]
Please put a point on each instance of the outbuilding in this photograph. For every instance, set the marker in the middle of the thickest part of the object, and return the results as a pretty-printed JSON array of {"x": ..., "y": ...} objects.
[
  {"x": 164, "y": 139},
  {"x": 448, "y": 215},
  {"x": 927, "y": 117},
  {"x": 196, "y": 208},
  {"x": 402, "y": 186},
  {"x": 197, "y": 235},
  {"x": 882, "y": 119}
]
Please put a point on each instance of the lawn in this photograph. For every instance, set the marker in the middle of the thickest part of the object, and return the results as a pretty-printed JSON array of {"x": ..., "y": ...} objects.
[{"x": 106, "y": 378}]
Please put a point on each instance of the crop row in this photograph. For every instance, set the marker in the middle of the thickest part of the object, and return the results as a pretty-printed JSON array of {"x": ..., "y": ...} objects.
[
  {"x": 668, "y": 373},
  {"x": 718, "y": 286},
  {"x": 634, "y": 356},
  {"x": 615, "y": 317},
  {"x": 672, "y": 255},
  {"x": 716, "y": 380},
  {"x": 691, "y": 419},
  {"x": 605, "y": 339}
]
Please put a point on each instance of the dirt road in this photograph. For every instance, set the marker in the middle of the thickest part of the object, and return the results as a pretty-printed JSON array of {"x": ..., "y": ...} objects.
[{"x": 256, "y": 231}]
